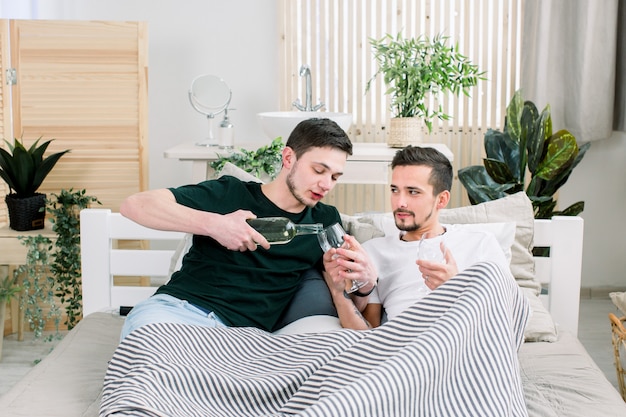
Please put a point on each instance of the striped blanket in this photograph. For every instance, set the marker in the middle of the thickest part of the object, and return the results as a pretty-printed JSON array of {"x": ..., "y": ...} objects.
[{"x": 452, "y": 354}]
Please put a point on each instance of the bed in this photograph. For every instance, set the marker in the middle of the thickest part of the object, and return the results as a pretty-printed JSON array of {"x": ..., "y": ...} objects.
[{"x": 559, "y": 378}]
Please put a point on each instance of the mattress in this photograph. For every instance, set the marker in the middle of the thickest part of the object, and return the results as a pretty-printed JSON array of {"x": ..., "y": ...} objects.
[
  {"x": 68, "y": 382},
  {"x": 560, "y": 379}
]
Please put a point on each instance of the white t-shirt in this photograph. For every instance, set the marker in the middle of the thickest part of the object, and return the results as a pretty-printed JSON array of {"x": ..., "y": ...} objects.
[{"x": 399, "y": 277}]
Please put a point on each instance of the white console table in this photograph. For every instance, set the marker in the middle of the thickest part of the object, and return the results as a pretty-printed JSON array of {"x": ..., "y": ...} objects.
[{"x": 368, "y": 164}]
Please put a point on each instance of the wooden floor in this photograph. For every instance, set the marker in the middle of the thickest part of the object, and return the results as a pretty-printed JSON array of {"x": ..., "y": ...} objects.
[
  {"x": 594, "y": 332},
  {"x": 19, "y": 357}
]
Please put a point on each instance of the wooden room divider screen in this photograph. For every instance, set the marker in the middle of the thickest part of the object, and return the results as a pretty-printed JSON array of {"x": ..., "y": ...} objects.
[{"x": 84, "y": 84}]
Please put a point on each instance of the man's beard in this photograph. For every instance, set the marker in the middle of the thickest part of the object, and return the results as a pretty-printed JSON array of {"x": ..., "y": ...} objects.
[
  {"x": 410, "y": 227},
  {"x": 292, "y": 188}
]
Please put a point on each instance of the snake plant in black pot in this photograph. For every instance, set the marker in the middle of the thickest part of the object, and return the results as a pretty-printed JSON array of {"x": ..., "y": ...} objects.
[
  {"x": 24, "y": 169},
  {"x": 526, "y": 149}
]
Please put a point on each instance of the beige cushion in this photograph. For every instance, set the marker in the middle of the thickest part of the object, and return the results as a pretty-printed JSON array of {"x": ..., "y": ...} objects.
[
  {"x": 234, "y": 171},
  {"x": 540, "y": 327},
  {"x": 362, "y": 228}
]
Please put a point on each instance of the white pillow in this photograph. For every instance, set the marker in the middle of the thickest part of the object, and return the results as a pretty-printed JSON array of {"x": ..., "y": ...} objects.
[
  {"x": 504, "y": 233},
  {"x": 517, "y": 208}
]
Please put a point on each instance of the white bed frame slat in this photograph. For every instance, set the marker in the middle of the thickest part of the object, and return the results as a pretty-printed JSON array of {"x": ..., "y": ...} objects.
[
  {"x": 560, "y": 274},
  {"x": 133, "y": 262},
  {"x": 101, "y": 262},
  {"x": 564, "y": 236}
]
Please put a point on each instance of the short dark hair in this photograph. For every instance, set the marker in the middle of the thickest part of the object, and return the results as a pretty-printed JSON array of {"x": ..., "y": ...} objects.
[
  {"x": 441, "y": 175},
  {"x": 318, "y": 133}
]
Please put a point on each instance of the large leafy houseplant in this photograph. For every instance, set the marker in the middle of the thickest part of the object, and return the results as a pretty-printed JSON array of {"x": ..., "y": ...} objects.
[
  {"x": 24, "y": 170},
  {"x": 413, "y": 69},
  {"x": 526, "y": 149}
]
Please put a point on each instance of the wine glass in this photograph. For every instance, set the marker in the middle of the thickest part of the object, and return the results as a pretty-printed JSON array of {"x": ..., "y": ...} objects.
[
  {"x": 429, "y": 249},
  {"x": 332, "y": 237}
]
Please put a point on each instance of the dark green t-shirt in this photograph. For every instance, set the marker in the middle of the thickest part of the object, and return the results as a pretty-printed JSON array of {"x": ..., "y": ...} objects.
[{"x": 249, "y": 288}]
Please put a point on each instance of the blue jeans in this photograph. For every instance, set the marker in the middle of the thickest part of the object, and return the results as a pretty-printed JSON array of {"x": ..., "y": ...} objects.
[{"x": 163, "y": 308}]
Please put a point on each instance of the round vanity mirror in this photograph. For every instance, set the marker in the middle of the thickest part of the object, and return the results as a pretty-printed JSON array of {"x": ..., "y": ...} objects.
[{"x": 209, "y": 95}]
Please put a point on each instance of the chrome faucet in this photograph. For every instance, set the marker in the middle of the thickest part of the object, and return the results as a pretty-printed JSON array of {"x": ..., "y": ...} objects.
[{"x": 305, "y": 72}]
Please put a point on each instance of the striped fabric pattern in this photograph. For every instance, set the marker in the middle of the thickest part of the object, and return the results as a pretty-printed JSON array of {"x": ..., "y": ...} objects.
[{"x": 452, "y": 354}]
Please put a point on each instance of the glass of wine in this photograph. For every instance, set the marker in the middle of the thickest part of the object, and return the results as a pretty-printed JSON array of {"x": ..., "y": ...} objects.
[
  {"x": 429, "y": 249},
  {"x": 332, "y": 237}
]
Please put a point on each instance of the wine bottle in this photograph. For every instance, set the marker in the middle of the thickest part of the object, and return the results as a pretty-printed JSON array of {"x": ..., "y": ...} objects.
[{"x": 279, "y": 230}]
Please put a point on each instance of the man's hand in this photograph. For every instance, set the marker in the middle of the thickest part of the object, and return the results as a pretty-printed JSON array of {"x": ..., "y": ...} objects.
[
  {"x": 351, "y": 264},
  {"x": 233, "y": 232},
  {"x": 436, "y": 273}
]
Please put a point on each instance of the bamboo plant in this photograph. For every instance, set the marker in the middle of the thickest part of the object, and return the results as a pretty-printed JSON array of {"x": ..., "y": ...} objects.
[{"x": 414, "y": 69}]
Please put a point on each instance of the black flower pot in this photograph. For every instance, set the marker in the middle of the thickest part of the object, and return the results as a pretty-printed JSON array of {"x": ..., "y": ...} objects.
[{"x": 26, "y": 213}]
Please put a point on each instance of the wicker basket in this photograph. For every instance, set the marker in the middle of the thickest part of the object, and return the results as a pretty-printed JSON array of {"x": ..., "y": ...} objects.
[
  {"x": 618, "y": 336},
  {"x": 26, "y": 213},
  {"x": 405, "y": 131}
]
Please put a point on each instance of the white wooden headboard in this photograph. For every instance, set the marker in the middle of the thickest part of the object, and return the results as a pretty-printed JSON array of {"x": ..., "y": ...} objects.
[
  {"x": 560, "y": 274},
  {"x": 101, "y": 261}
]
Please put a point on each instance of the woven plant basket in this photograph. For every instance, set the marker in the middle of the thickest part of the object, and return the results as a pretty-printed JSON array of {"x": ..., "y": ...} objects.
[
  {"x": 405, "y": 131},
  {"x": 25, "y": 213},
  {"x": 618, "y": 337}
]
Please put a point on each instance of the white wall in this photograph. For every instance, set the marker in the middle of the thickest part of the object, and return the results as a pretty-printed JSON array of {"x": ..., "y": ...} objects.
[
  {"x": 238, "y": 40},
  {"x": 600, "y": 181}
]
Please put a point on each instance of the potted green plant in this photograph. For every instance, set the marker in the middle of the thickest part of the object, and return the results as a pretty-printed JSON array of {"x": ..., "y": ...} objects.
[
  {"x": 24, "y": 170},
  {"x": 526, "y": 148},
  {"x": 415, "y": 70},
  {"x": 266, "y": 160}
]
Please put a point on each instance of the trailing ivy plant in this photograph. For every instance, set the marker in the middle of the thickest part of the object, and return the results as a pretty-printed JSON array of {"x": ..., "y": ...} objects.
[
  {"x": 38, "y": 286},
  {"x": 65, "y": 210},
  {"x": 267, "y": 159}
]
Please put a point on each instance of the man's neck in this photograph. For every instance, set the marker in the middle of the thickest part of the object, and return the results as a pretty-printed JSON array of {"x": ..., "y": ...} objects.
[
  {"x": 278, "y": 193},
  {"x": 429, "y": 232}
]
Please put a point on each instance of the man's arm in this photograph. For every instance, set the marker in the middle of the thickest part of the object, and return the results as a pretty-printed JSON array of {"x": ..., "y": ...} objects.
[
  {"x": 349, "y": 315},
  {"x": 373, "y": 313},
  {"x": 158, "y": 209}
]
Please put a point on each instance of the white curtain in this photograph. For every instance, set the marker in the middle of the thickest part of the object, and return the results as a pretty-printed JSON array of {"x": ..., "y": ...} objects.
[{"x": 569, "y": 51}]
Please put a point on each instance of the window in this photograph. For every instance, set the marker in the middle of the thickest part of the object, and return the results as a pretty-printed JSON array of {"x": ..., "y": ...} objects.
[{"x": 332, "y": 37}]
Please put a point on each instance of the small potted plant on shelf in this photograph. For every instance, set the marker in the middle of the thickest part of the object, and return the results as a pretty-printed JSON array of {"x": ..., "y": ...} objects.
[
  {"x": 24, "y": 170},
  {"x": 414, "y": 71}
]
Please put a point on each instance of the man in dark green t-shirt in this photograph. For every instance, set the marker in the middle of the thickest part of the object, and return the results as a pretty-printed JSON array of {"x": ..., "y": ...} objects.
[{"x": 231, "y": 275}]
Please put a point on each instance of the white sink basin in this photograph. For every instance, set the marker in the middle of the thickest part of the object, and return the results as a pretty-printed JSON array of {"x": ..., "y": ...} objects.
[{"x": 281, "y": 123}]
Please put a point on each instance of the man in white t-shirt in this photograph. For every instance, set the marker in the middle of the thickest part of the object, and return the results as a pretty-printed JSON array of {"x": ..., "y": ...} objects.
[{"x": 420, "y": 188}]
